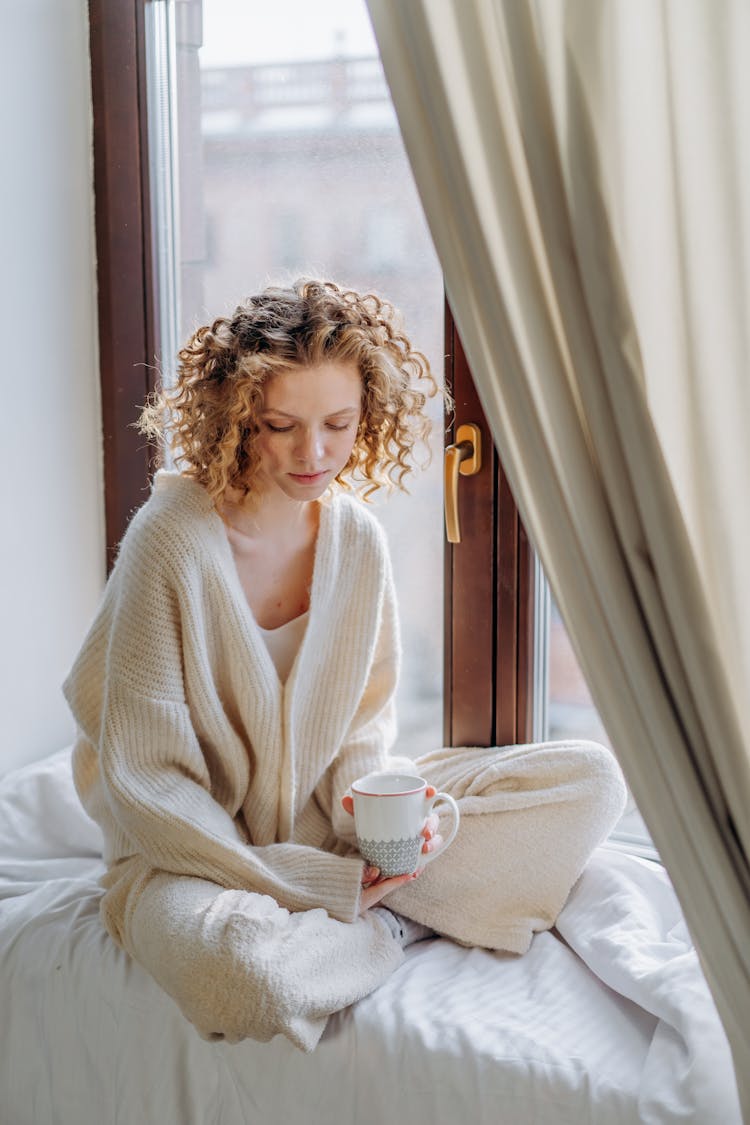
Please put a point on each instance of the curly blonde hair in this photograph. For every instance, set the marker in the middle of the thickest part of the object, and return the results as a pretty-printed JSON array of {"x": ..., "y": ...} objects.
[{"x": 209, "y": 419}]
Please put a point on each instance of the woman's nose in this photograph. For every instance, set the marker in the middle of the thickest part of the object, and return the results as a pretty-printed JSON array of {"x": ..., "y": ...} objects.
[{"x": 310, "y": 447}]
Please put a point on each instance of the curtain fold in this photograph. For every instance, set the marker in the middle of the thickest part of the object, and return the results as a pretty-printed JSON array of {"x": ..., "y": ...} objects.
[{"x": 610, "y": 352}]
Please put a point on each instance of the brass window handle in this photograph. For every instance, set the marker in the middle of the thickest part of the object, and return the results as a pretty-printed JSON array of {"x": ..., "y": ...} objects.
[{"x": 465, "y": 457}]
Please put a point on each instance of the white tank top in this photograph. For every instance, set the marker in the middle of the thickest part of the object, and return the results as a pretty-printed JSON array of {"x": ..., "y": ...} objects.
[{"x": 283, "y": 643}]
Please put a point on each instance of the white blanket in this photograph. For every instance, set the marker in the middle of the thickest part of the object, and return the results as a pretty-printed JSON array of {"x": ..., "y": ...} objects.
[{"x": 606, "y": 1020}]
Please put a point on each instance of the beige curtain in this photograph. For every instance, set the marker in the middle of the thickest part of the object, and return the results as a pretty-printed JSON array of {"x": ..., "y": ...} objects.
[{"x": 584, "y": 168}]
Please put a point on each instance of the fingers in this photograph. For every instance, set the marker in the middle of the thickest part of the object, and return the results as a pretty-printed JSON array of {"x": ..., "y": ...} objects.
[
  {"x": 372, "y": 895},
  {"x": 431, "y": 832},
  {"x": 430, "y": 826},
  {"x": 433, "y": 844},
  {"x": 370, "y": 875}
]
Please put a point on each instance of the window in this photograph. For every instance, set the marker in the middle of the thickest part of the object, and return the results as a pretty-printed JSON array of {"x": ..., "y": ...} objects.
[
  {"x": 290, "y": 159},
  {"x": 570, "y": 713}
]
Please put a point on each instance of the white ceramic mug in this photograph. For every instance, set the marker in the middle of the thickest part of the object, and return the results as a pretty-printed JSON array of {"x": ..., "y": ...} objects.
[{"x": 389, "y": 814}]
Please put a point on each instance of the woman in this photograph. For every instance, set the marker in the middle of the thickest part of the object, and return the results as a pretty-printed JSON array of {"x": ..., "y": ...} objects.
[{"x": 241, "y": 672}]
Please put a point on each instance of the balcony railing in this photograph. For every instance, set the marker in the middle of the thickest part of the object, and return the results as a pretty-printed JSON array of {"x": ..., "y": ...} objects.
[{"x": 332, "y": 92}]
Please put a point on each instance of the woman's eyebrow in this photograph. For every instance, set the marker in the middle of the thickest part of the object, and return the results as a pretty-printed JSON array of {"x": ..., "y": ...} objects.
[{"x": 283, "y": 413}]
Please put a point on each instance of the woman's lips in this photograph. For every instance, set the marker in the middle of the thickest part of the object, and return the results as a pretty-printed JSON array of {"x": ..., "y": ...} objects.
[{"x": 308, "y": 478}]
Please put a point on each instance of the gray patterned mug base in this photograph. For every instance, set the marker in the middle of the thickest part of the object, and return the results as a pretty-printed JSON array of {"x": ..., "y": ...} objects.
[{"x": 392, "y": 857}]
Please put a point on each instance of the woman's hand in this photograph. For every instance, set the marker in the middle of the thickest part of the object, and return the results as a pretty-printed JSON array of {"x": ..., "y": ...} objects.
[
  {"x": 374, "y": 888},
  {"x": 432, "y": 838}
]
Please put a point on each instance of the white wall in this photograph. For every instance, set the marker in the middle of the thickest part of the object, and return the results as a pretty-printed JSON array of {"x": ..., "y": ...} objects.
[{"x": 51, "y": 556}]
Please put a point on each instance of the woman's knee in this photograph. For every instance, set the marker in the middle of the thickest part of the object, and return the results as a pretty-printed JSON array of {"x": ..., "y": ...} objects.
[
  {"x": 596, "y": 777},
  {"x": 601, "y": 766}
]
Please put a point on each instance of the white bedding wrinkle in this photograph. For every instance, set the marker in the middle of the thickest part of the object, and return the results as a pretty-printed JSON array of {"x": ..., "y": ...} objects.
[
  {"x": 608, "y": 1021},
  {"x": 624, "y": 921}
]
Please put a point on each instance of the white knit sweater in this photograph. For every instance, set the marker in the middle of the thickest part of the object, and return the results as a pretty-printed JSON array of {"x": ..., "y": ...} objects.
[{"x": 190, "y": 750}]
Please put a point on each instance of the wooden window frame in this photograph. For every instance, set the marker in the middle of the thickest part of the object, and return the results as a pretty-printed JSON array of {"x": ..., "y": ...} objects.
[
  {"x": 488, "y": 684},
  {"x": 127, "y": 312},
  {"x": 489, "y": 591}
]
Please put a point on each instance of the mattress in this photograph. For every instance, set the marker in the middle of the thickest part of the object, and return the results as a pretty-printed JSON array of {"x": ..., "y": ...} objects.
[{"x": 606, "y": 1020}]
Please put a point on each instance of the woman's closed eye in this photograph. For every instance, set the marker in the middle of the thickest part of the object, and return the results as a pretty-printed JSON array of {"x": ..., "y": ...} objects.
[{"x": 276, "y": 429}]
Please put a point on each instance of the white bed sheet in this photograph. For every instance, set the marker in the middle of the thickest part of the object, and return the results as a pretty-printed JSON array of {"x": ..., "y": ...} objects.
[{"x": 607, "y": 1020}]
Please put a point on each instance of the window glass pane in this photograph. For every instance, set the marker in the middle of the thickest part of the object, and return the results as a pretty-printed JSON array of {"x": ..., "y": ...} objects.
[
  {"x": 571, "y": 714},
  {"x": 290, "y": 163}
]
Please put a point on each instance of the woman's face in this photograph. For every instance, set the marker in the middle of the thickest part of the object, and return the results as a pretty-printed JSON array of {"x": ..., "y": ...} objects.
[{"x": 308, "y": 425}]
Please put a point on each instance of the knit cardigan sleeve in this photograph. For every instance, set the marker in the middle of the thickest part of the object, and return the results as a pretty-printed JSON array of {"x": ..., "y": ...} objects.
[{"x": 139, "y": 765}]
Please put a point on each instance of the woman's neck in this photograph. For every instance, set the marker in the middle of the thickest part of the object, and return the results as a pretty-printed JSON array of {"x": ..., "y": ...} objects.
[
  {"x": 267, "y": 516},
  {"x": 273, "y": 546}
]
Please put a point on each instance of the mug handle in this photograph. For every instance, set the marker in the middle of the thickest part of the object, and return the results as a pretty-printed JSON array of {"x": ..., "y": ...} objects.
[{"x": 425, "y": 858}]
